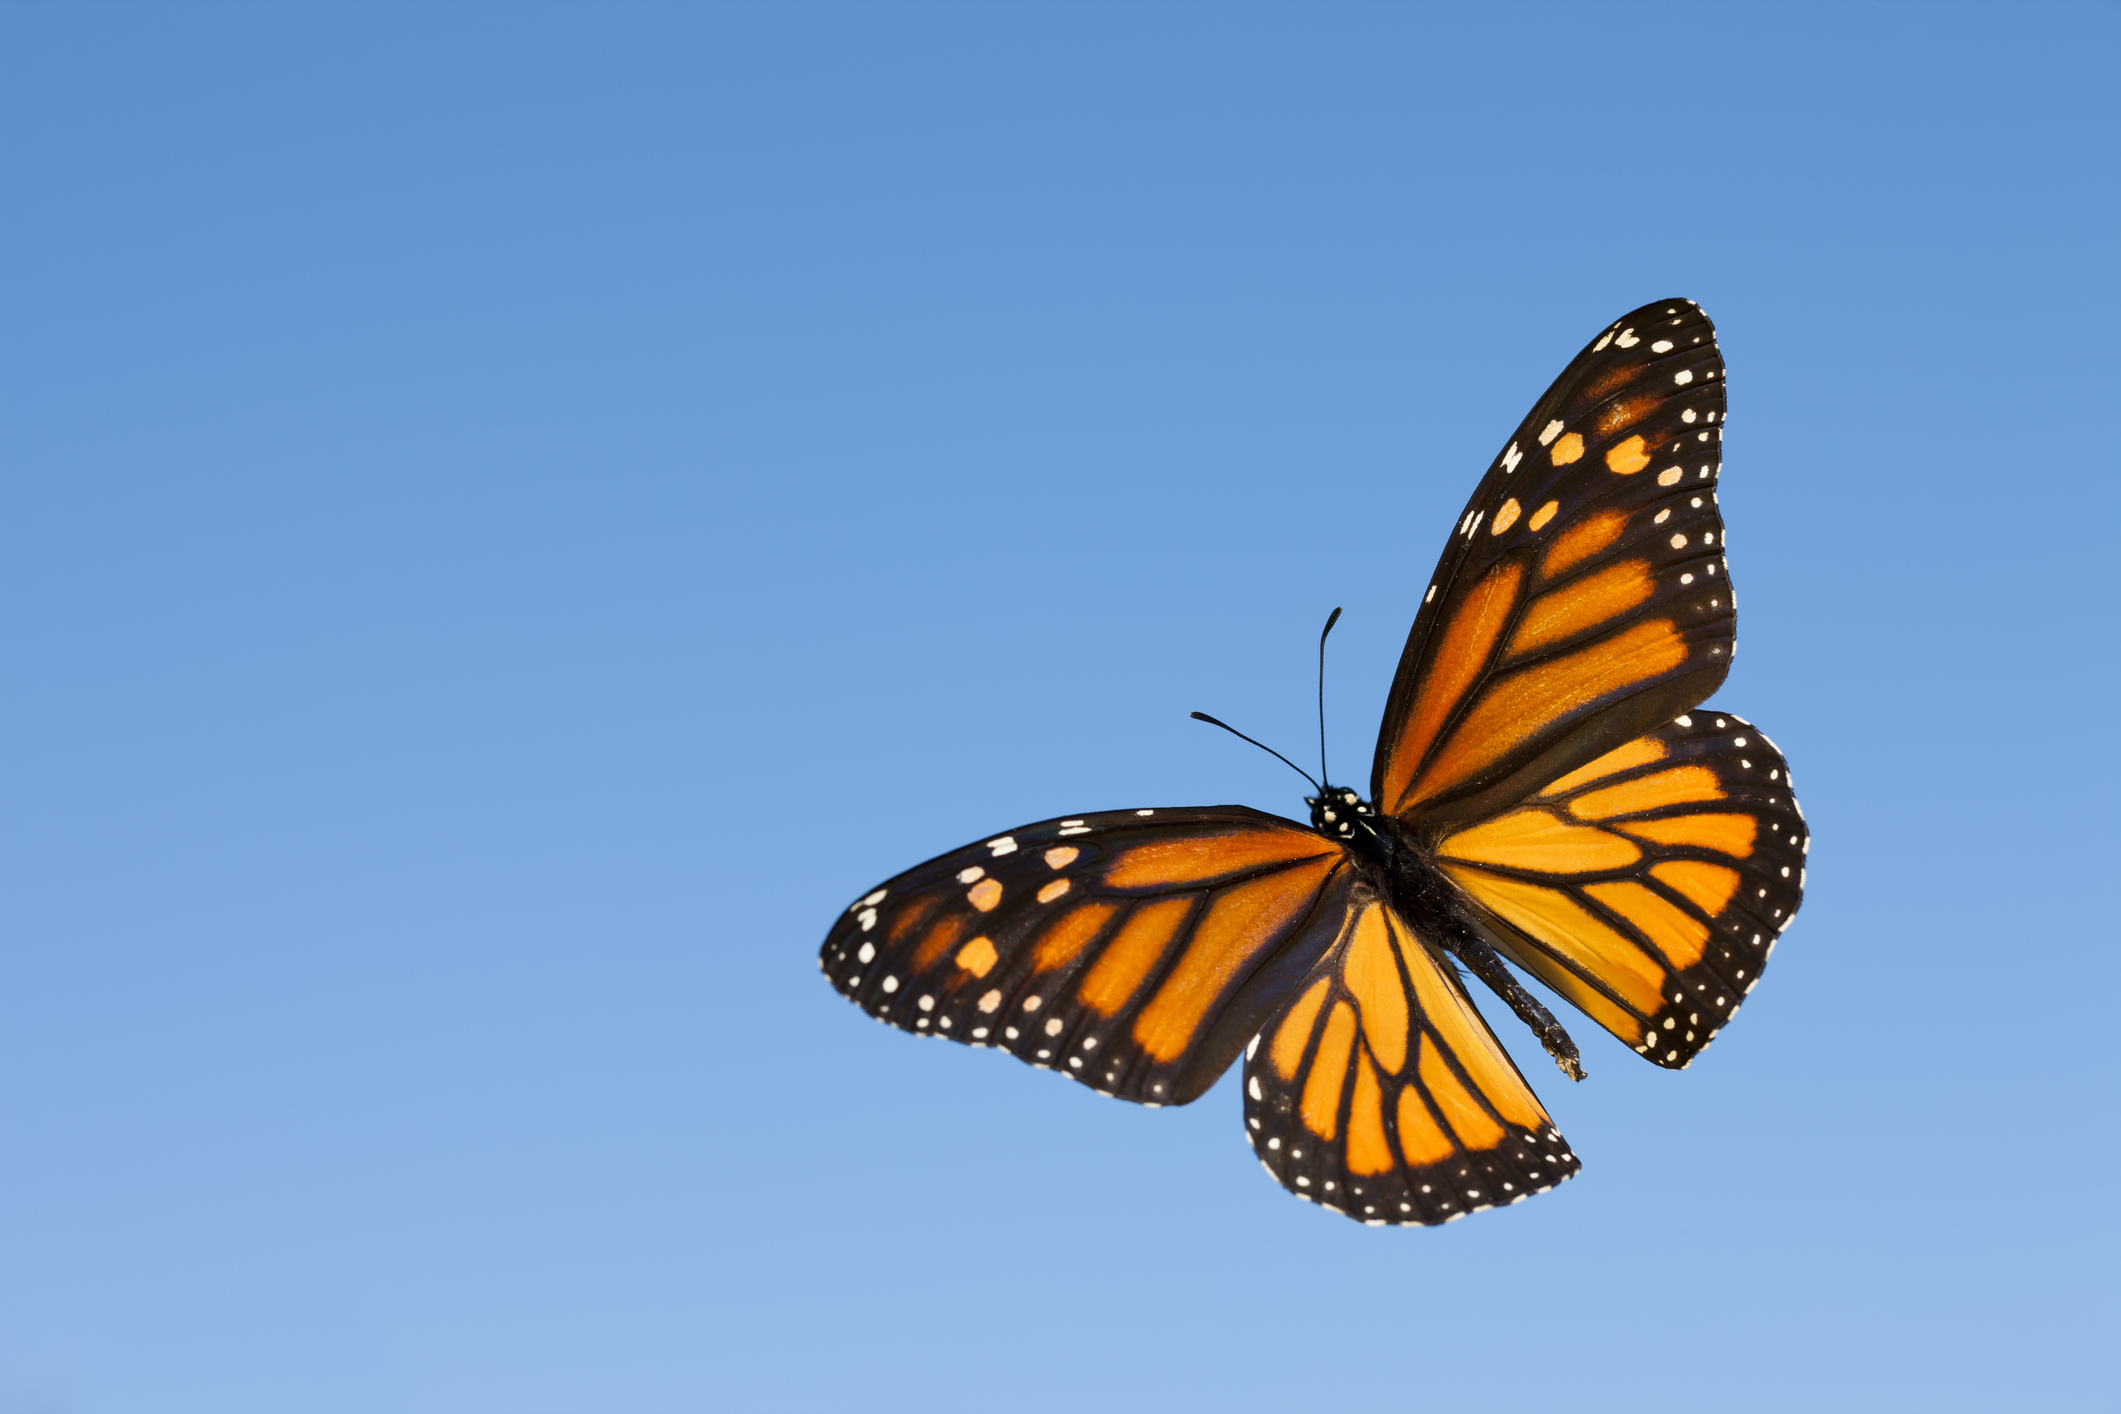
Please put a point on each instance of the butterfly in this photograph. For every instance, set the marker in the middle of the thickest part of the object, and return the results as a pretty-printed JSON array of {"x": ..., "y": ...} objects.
[{"x": 1545, "y": 793}]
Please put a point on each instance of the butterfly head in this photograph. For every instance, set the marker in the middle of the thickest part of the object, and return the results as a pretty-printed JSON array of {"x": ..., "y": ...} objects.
[{"x": 1336, "y": 812}]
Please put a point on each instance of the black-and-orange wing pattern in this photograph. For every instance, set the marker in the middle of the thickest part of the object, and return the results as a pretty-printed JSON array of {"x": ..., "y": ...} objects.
[
  {"x": 1379, "y": 1091},
  {"x": 1546, "y": 782},
  {"x": 1133, "y": 950},
  {"x": 1583, "y": 596},
  {"x": 1649, "y": 886}
]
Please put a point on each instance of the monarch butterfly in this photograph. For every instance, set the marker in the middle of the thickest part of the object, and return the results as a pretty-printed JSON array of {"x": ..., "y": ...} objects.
[{"x": 1543, "y": 791}]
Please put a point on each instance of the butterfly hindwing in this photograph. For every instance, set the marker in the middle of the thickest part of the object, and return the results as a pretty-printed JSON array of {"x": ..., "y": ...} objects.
[
  {"x": 1379, "y": 1091},
  {"x": 1582, "y": 596},
  {"x": 1649, "y": 886},
  {"x": 1134, "y": 950}
]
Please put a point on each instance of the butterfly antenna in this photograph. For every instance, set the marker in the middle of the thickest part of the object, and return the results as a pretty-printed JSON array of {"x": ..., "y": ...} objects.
[
  {"x": 1213, "y": 722},
  {"x": 1331, "y": 619}
]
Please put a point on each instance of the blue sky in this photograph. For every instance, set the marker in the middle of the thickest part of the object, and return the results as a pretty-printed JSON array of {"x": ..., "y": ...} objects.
[{"x": 514, "y": 515}]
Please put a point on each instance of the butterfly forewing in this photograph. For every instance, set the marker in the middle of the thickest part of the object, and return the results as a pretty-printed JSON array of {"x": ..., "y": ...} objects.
[
  {"x": 1649, "y": 886},
  {"x": 1583, "y": 594},
  {"x": 1379, "y": 1091},
  {"x": 1133, "y": 950}
]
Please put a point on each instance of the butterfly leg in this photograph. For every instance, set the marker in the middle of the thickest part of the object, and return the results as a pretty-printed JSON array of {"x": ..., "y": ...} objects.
[{"x": 1482, "y": 961}]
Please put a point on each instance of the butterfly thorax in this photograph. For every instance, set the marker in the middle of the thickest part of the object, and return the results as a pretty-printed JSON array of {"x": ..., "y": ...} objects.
[
  {"x": 1394, "y": 863},
  {"x": 1340, "y": 814}
]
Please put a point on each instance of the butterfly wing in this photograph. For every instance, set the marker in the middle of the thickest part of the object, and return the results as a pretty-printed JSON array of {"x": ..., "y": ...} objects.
[
  {"x": 1649, "y": 886},
  {"x": 1379, "y": 1091},
  {"x": 1582, "y": 597},
  {"x": 1134, "y": 950}
]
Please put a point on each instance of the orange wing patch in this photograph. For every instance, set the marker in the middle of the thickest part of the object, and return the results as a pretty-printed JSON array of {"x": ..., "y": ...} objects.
[
  {"x": 1466, "y": 645},
  {"x": 1709, "y": 887},
  {"x": 940, "y": 939},
  {"x": 1468, "y": 1118},
  {"x": 1372, "y": 978},
  {"x": 1726, "y": 834},
  {"x": 1521, "y": 703},
  {"x": 1639, "y": 752},
  {"x": 909, "y": 917},
  {"x": 1539, "y": 839},
  {"x": 978, "y": 956},
  {"x": 1586, "y": 604},
  {"x": 1608, "y": 382},
  {"x": 1241, "y": 923},
  {"x": 1132, "y": 954},
  {"x": 1369, "y": 1151},
  {"x": 1421, "y": 1138},
  {"x": 1627, "y": 457},
  {"x": 1197, "y": 860},
  {"x": 1063, "y": 940},
  {"x": 1588, "y": 538},
  {"x": 1293, "y": 1036},
  {"x": 1626, "y": 412},
  {"x": 1384, "y": 1095},
  {"x": 1684, "y": 785},
  {"x": 1671, "y": 929},
  {"x": 1329, "y": 1069},
  {"x": 1649, "y": 886}
]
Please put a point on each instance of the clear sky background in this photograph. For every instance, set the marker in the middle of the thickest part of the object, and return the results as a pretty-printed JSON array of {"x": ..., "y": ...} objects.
[{"x": 513, "y": 516}]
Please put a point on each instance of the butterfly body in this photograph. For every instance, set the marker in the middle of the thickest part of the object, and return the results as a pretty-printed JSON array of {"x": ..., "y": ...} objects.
[
  {"x": 1390, "y": 863},
  {"x": 1534, "y": 801}
]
